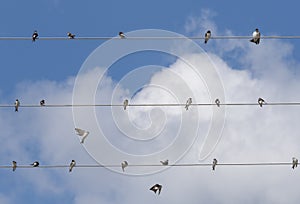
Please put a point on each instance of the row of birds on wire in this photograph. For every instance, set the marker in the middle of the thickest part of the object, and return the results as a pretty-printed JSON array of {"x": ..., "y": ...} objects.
[
  {"x": 155, "y": 188},
  {"x": 255, "y": 36},
  {"x": 188, "y": 103}
]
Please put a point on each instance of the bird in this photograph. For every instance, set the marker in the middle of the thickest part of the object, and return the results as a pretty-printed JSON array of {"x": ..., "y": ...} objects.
[
  {"x": 207, "y": 36},
  {"x": 72, "y": 164},
  {"x": 188, "y": 103},
  {"x": 42, "y": 102},
  {"x": 35, "y": 164},
  {"x": 122, "y": 35},
  {"x": 125, "y": 104},
  {"x": 295, "y": 162},
  {"x": 260, "y": 102},
  {"x": 70, "y": 35},
  {"x": 82, "y": 133},
  {"x": 35, "y": 36},
  {"x": 217, "y": 101},
  {"x": 155, "y": 188},
  {"x": 17, "y": 104},
  {"x": 215, "y": 161},
  {"x": 124, "y": 164},
  {"x": 255, "y": 36},
  {"x": 165, "y": 162},
  {"x": 14, "y": 165}
]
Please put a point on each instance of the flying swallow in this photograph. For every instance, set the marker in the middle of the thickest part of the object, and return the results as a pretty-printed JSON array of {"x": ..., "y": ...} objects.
[
  {"x": 72, "y": 164},
  {"x": 124, "y": 164},
  {"x": 215, "y": 161},
  {"x": 125, "y": 104},
  {"x": 188, "y": 103},
  {"x": 255, "y": 36},
  {"x": 155, "y": 188},
  {"x": 207, "y": 36},
  {"x": 82, "y": 133},
  {"x": 17, "y": 104}
]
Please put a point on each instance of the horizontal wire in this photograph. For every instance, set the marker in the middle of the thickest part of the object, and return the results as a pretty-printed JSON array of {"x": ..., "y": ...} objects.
[
  {"x": 151, "y": 104},
  {"x": 156, "y": 165},
  {"x": 151, "y": 38}
]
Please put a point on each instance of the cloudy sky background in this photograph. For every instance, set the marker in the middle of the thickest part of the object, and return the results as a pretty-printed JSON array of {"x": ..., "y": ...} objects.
[{"x": 48, "y": 69}]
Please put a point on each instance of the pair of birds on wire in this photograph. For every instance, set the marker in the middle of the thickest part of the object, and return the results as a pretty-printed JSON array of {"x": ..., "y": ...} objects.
[
  {"x": 37, "y": 164},
  {"x": 124, "y": 164},
  {"x": 255, "y": 36},
  {"x": 70, "y": 35},
  {"x": 17, "y": 104}
]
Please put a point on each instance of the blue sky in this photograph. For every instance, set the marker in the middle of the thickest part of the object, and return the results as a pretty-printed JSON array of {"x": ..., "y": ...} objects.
[{"x": 47, "y": 69}]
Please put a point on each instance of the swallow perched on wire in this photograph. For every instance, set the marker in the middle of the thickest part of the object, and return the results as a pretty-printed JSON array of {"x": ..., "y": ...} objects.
[
  {"x": 125, "y": 104},
  {"x": 42, "y": 102},
  {"x": 124, "y": 164},
  {"x": 261, "y": 102},
  {"x": 72, "y": 164},
  {"x": 165, "y": 162},
  {"x": 215, "y": 161},
  {"x": 70, "y": 35},
  {"x": 188, "y": 103},
  {"x": 17, "y": 104},
  {"x": 35, "y": 36},
  {"x": 255, "y": 36},
  {"x": 207, "y": 36},
  {"x": 217, "y": 101},
  {"x": 35, "y": 164},
  {"x": 82, "y": 133},
  {"x": 294, "y": 162},
  {"x": 14, "y": 165},
  {"x": 122, "y": 35},
  {"x": 155, "y": 188}
]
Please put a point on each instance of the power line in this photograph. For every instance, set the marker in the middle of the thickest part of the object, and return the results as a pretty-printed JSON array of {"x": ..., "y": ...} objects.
[
  {"x": 150, "y": 105},
  {"x": 8, "y": 38},
  {"x": 152, "y": 165}
]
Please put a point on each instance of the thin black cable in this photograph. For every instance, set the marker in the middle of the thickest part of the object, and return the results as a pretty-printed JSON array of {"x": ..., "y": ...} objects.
[
  {"x": 150, "y": 105},
  {"x": 150, "y": 38}
]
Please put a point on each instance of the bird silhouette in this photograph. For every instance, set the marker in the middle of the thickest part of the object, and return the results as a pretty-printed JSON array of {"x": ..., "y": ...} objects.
[
  {"x": 165, "y": 162},
  {"x": 215, "y": 161},
  {"x": 207, "y": 36},
  {"x": 35, "y": 164},
  {"x": 124, "y": 164},
  {"x": 188, "y": 103},
  {"x": 70, "y": 35},
  {"x": 295, "y": 162},
  {"x": 255, "y": 36},
  {"x": 122, "y": 35},
  {"x": 260, "y": 102},
  {"x": 17, "y": 104},
  {"x": 72, "y": 164},
  {"x": 82, "y": 133},
  {"x": 125, "y": 104},
  {"x": 155, "y": 188},
  {"x": 35, "y": 36},
  {"x": 14, "y": 165}
]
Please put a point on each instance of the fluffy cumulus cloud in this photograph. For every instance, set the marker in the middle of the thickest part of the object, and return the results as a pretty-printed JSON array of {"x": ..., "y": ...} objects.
[{"x": 250, "y": 134}]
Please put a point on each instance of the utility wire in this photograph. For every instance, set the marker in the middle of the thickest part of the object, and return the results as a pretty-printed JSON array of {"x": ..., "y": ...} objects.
[
  {"x": 150, "y": 105},
  {"x": 151, "y": 38},
  {"x": 153, "y": 165}
]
